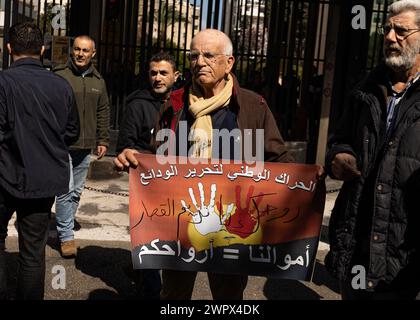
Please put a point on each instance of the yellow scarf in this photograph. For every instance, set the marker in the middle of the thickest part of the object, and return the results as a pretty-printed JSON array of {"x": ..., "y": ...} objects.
[{"x": 202, "y": 130}]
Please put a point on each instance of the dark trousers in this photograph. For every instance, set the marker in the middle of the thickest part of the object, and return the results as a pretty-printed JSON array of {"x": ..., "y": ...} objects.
[
  {"x": 33, "y": 216},
  {"x": 148, "y": 283},
  {"x": 179, "y": 285}
]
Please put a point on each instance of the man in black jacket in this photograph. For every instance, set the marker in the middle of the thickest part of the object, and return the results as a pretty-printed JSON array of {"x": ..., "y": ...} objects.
[
  {"x": 374, "y": 226},
  {"x": 143, "y": 105},
  {"x": 139, "y": 120},
  {"x": 38, "y": 121}
]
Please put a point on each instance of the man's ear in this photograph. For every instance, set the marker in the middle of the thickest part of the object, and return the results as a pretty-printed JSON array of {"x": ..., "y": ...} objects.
[
  {"x": 230, "y": 63},
  {"x": 42, "y": 51},
  {"x": 176, "y": 75},
  {"x": 94, "y": 53},
  {"x": 9, "y": 49}
]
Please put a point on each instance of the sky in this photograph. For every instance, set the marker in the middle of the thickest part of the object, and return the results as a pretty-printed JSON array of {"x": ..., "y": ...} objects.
[{"x": 205, "y": 4}]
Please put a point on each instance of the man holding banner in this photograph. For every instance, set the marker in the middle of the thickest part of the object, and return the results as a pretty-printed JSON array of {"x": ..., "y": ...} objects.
[{"x": 213, "y": 119}]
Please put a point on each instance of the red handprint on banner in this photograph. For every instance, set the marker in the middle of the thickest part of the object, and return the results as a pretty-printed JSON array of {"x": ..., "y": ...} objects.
[{"x": 243, "y": 221}]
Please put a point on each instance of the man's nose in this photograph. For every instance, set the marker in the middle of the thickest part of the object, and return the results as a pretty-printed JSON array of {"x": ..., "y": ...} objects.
[
  {"x": 391, "y": 36},
  {"x": 200, "y": 60}
]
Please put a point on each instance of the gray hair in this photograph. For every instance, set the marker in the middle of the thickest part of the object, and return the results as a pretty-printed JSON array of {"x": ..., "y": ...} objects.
[
  {"x": 86, "y": 37},
  {"x": 405, "y": 5},
  {"x": 228, "y": 46}
]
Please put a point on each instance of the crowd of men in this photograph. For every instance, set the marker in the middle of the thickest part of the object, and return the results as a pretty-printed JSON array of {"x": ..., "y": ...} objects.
[{"x": 50, "y": 121}]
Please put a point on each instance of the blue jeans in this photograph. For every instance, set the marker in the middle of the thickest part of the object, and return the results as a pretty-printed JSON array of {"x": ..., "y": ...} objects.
[{"x": 66, "y": 205}]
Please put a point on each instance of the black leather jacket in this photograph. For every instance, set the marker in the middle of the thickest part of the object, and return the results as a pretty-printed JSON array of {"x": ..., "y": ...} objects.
[
  {"x": 391, "y": 166},
  {"x": 38, "y": 121}
]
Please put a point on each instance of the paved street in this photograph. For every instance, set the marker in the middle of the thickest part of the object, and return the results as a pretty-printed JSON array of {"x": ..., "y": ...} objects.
[{"x": 102, "y": 269}]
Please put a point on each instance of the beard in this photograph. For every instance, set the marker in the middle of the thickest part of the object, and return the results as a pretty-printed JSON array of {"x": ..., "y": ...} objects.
[{"x": 406, "y": 58}]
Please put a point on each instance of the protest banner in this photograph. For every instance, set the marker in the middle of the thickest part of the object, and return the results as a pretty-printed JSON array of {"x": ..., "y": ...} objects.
[{"x": 226, "y": 218}]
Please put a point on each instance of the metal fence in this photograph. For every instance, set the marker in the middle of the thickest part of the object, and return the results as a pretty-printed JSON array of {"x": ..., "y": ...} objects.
[
  {"x": 39, "y": 11},
  {"x": 132, "y": 31},
  {"x": 279, "y": 46},
  {"x": 379, "y": 14}
]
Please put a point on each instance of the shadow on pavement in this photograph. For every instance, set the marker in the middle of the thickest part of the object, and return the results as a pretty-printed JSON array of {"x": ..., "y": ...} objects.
[
  {"x": 285, "y": 289},
  {"x": 111, "y": 265},
  {"x": 322, "y": 277}
]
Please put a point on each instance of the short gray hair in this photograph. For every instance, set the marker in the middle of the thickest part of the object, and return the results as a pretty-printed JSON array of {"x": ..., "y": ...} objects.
[
  {"x": 86, "y": 37},
  {"x": 228, "y": 46},
  {"x": 405, "y": 5}
]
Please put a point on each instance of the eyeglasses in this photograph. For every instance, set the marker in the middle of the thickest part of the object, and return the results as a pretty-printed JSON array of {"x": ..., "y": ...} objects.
[
  {"x": 209, "y": 57},
  {"x": 401, "y": 33}
]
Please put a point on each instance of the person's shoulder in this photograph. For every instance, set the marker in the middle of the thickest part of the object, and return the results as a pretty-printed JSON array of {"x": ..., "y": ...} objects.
[
  {"x": 178, "y": 93},
  {"x": 4, "y": 83},
  {"x": 63, "y": 72},
  {"x": 4, "y": 74},
  {"x": 97, "y": 74},
  {"x": 140, "y": 96},
  {"x": 10, "y": 73},
  {"x": 249, "y": 93},
  {"x": 60, "y": 67},
  {"x": 250, "y": 98},
  {"x": 377, "y": 76},
  {"x": 59, "y": 82},
  {"x": 177, "y": 98}
]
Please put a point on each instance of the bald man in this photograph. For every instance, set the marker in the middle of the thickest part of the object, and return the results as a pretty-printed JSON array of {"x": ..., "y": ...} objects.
[
  {"x": 213, "y": 100},
  {"x": 92, "y": 103}
]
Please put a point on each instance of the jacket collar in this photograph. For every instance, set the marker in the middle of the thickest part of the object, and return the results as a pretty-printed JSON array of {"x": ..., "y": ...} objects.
[
  {"x": 91, "y": 70},
  {"x": 377, "y": 82},
  {"x": 380, "y": 76},
  {"x": 26, "y": 61}
]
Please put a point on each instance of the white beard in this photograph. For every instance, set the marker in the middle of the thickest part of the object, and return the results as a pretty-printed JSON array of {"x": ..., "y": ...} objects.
[{"x": 405, "y": 60}]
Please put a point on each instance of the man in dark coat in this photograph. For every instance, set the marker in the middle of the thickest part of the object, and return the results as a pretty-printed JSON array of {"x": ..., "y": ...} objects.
[
  {"x": 38, "y": 121},
  {"x": 374, "y": 226},
  {"x": 135, "y": 134}
]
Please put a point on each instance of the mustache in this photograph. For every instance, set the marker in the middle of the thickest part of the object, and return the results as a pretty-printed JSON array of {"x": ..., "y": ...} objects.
[{"x": 391, "y": 47}]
